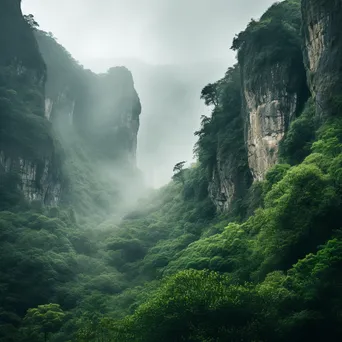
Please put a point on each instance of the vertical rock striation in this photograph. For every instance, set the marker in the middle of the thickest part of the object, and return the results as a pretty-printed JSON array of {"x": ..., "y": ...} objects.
[
  {"x": 229, "y": 181},
  {"x": 26, "y": 144},
  {"x": 269, "y": 107}
]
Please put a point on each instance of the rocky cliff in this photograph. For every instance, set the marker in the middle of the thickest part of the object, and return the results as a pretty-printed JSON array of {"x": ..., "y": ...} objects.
[
  {"x": 273, "y": 89},
  {"x": 103, "y": 108},
  {"x": 111, "y": 116},
  {"x": 221, "y": 146},
  {"x": 230, "y": 178},
  {"x": 269, "y": 107},
  {"x": 27, "y": 151},
  {"x": 322, "y": 34},
  {"x": 96, "y": 120},
  {"x": 273, "y": 82},
  {"x": 55, "y": 114},
  {"x": 293, "y": 52}
]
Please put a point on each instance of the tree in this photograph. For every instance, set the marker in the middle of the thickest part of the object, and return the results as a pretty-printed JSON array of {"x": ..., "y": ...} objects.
[
  {"x": 44, "y": 319},
  {"x": 31, "y": 21},
  {"x": 196, "y": 306},
  {"x": 179, "y": 172},
  {"x": 210, "y": 94}
]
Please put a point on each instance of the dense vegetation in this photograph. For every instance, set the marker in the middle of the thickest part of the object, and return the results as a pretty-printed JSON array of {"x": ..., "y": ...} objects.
[
  {"x": 273, "y": 39},
  {"x": 171, "y": 268}
]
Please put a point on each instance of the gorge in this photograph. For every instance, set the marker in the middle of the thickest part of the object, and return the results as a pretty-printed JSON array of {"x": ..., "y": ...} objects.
[{"x": 242, "y": 245}]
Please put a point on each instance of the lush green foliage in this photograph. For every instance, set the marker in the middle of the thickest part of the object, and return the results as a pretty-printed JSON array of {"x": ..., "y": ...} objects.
[
  {"x": 180, "y": 274},
  {"x": 296, "y": 232},
  {"x": 43, "y": 320},
  {"x": 195, "y": 306},
  {"x": 297, "y": 142},
  {"x": 86, "y": 267},
  {"x": 222, "y": 134},
  {"x": 273, "y": 39}
]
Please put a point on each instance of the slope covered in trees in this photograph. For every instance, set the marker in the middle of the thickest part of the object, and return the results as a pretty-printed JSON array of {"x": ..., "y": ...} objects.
[{"x": 182, "y": 265}]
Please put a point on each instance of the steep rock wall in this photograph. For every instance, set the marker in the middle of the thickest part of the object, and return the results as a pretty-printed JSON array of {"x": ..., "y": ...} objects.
[
  {"x": 273, "y": 81},
  {"x": 49, "y": 105},
  {"x": 221, "y": 146},
  {"x": 26, "y": 143},
  {"x": 229, "y": 181},
  {"x": 269, "y": 107},
  {"x": 322, "y": 31},
  {"x": 222, "y": 186},
  {"x": 109, "y": 115},
  {"x": 270, "y": 91},
  {"x": 103, "y": 108},
  {"x": 96, "y": 120}
]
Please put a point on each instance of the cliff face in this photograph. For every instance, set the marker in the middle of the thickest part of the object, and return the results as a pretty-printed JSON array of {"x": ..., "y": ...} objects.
[
  {"x": 55, "y": 114},
  {"x": 273, "y": 82},
  {"x": 322, "y": 33},
  {"x": 19, "y": 47},
  {"x": 269, "y": 107},
  {"x": 221, "y": 146},
  {"x": 104, "y": 108},
  {"x": 26, "y": 144},
  {"x": 222, "y": 185},
  {"x": 273, "y": 89},
  {"x": 292, "y": 52},
  {"x": 229, "y": 180},
  {"x": 96, "y": 120},
  {"x": 111, "y": 117}
]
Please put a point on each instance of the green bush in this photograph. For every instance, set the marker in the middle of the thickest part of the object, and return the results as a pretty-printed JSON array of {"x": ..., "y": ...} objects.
[{"x": 297, "y": 142}]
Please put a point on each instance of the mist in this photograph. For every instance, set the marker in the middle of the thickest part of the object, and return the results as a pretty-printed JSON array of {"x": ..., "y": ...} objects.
[{"x": 173, "y": 48}]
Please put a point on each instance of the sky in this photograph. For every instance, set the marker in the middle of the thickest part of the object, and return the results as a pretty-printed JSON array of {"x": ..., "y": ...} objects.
[
  {"x": 173, "y": 47},
  {"x": 155, "y": 31}
]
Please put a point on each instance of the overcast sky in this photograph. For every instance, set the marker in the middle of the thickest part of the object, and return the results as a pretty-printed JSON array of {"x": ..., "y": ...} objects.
[{"x": 156, "y": 31}]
